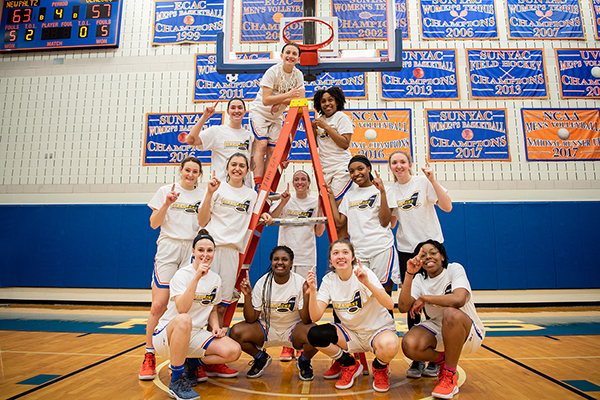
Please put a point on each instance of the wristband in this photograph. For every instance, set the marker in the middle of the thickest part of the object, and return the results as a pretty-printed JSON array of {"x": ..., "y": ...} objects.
[{"x": 410, "y": 273}]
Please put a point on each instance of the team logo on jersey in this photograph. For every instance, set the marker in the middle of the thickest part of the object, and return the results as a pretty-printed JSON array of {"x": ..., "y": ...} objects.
[
  {"x": 241, "y": 146},
  {"x": 206, "y": 299},
  {"x": 409, "y": 204},
  {"x": 236, "y": 205},
  {"x": 286, "y": 307},
  {"x": 448, "y": 288},
  {"x": 186, "y": 208},
  {"x": 352, "y": 307},
  {"x": 364, "y": 204},
  {"x": 301, "y": 214}
]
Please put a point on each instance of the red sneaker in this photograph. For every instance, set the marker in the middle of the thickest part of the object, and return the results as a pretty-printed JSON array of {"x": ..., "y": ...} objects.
[
  {"x": 202, "y": 377},
  {"x": 446, "y": 386},
  {"x": 349, "y": 374},
  {"x": 148, "y": 371},
  {"x": 298, "y": 354},
  {"x": 287, "y": 354},
  {"x": 381, "y": 380},
  {"x": 334, "y": 371},
  {"x": 220, "y": 370}
]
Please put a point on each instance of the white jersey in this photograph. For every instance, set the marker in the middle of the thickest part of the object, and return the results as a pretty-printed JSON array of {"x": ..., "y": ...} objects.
[
  {"x": 413, "y": 205},
  {"x": 361, "y": 208},
  {"x": 224, "y": 141},
  {"x": 181, "y": 219},
  {"x": 353, "y": 302},
  {"x": 446, "y": 282},
  {"x": 286, "y": 301},
  {"x": 206, "y": 296},
  {"x": 333, "y": 157},
  {"x": 231, "y": 210},
  {"x": 280, "y": 82},
  {"x": 301, "y": 239}
]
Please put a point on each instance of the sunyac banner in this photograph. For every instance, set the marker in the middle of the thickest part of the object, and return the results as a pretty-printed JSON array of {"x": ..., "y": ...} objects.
[
  {"x": 467, "y": 135},
  {"x": 187, "y": 21},
  {"x": 209, "y": 85},
  {"x": 575, "y": 73},
  {"x": 260, "y": 20},
  {"x": 354, "y": 84},
  {"x": 507, "y": 73},
  {"x": 360, "y": 19},
  {"x": 458, "y": 19},
  {"x": 596, "y": 13},
  {"x": 425, "y": 75},
  {"x": 544, "y": 19},
  {"x": 402, "y": 18},
  {"x": 561, "y": 134},
  {"x": 164, "y": 142}
]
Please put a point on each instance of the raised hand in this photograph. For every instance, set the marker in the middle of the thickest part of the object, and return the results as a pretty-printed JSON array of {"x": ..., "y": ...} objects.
[
  {"x": 360, "y": 273},
  {"x": 213, "y": 184},
  {"x": 210, "y": 110},
  {"x": 245, "y": 286},
  {"x": 203, "y": 269},
  {"x": 414, "y": 264},
  {"x": 172, "y": 196},
  {"x": 311, "y": 278},
  {"x": 377, "y": 182},
  {"x": 285, "y": 196},
  {"x": 428, "y": 171},
  {"x": 294, "y": 93}
]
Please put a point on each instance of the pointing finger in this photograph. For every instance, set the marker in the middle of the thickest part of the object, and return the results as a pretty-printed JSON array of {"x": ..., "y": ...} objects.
[
  {"x": 217, "y": 102},
  {"x": 376, "y": 174},
  {"x": 173, "y": 188},
  {"x": 214, "y": 174}
]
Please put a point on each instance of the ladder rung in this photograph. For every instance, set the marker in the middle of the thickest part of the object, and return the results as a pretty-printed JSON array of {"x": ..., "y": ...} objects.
[{"x": 299, "y": 221}]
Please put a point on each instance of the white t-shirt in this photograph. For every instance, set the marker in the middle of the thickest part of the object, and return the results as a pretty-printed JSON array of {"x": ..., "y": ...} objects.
[
  {"x": 286, "y": 301},
  {"x": 280, "y": 82},
  {"x": 333, "y": 157},
  {"x": 181, "y": 219},
  {"x": 206, "y": 296},
  {"x": 301, "y": 239},
  {"x": 353, "y": 302},
  {"x": 231, "y": 210},
  {"x": 361, "y": 208},
  {"x": 413, "y": 204},
  {"x": 224, "y": 141},
  {"x": 446, "y": 282}
]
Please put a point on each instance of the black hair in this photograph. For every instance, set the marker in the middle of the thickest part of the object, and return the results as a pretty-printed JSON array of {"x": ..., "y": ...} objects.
[
  {"x": 238, "y": 154},
  {"x": 192, "y": 159},
  {"x": 268, "y": 285},
  {"x": 291, "y": 44},
  {"x": 440, "y": 247},
  {"x": 364, "y": 160},
  {"x": 336, "y": 92},
  {"x": 202, "y": 234},
  {"x": 236, "y": 98}
]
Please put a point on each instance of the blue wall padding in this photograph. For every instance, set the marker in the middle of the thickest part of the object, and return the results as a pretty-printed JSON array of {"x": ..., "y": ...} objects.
[{"x": 542, "y": 245}]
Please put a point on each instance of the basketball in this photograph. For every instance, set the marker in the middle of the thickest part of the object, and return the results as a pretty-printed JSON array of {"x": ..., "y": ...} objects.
[
  {"x": 370, "y": 134},
  {"x": 467, "y": 134},
  {"x": 563, "y": 133},
  {"x": 188, "y": 20},
  {"x": 182, "y": 136},
  {"x": 596, "y": 72},
  {"x": 418, "y": 73}
]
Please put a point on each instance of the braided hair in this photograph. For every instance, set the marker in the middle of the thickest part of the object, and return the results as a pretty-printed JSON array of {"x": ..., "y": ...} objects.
[{"x": 268, "y": 286}]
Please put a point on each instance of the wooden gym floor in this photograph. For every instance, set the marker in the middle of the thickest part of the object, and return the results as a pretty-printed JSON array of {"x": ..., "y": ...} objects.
[{"x": 95, "y": 353}]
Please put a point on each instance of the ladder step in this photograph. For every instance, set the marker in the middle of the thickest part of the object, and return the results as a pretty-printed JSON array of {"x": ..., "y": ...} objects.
[{"x": 299, "y": 221}]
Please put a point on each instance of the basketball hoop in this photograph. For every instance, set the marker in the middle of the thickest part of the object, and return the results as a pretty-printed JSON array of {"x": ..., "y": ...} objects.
[{"x": 309, "y": 52}]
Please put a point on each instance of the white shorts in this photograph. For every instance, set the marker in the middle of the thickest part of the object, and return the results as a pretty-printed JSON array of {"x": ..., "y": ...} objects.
[
  {"x": 199, "y": 342},
  {"x": 171, "y": 254},
  {"x": 225, "y": 264},
  {"x": 360, "y": 342},
  {"x": 385, "y": 266},
  {"x": 339, "y": 181},
  {"x": 265, "y": 129},
  {"x": 276, "y": 337},
  {"x": 471, "y": 345}
]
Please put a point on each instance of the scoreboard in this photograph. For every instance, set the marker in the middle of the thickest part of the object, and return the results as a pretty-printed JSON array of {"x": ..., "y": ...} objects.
[{"x": 57, "y": 25}]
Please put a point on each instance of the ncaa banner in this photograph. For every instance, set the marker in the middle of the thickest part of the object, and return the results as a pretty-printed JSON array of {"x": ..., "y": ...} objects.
[
  {"x": 425, "y": 75},
  {"x": 164, "y": 141},
  {"x": 360, "y": 19},
  {"x": 544, "y": 19},
  {"x": 507, "y": 73},
  {"x": 402, "y": 18},
  {"x": 561, "y": 134},
  {"x": 392, "y": 128},
  {"x": 596, "y": 13},
  {"x": 354, "y": 84},
  {"x": 186, "y": 21},
  {"x": 260, "y": 20},
  {"x": 467, "y": 135},
  {"x": 575, "y": 73},
  {"x": 463, "y": 20},
  {"x": 209, "y": 85}
]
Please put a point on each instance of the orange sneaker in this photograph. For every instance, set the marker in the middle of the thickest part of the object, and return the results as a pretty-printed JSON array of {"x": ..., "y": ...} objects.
[
  {"x": 148, "y": 371},
  {"x": 349, "y": 374},
  {"x": 334, "y": 371},
  {"x": 220, "y": 371},
  {"x": 446, "y": 386},
  {"x": 381, "y": 380},
  {"x": 287, "y": 354}
]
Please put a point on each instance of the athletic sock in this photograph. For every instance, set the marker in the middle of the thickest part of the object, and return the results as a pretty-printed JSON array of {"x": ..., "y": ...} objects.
[
  {"x": 440, "y": 357},
  {"x": 303, "y": 358},
  {"x": 176, "y": 372},
  {"x": 453, "y": 370},
  {"x": 150, "y": 350},
  {"x": 346, "y": 360},
  {"x": 377, "y": 364},
  {"x": 260, "y": 355}
]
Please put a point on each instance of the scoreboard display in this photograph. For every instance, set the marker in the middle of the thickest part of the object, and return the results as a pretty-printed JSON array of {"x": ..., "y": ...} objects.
[{"x": 57, "y": 25}]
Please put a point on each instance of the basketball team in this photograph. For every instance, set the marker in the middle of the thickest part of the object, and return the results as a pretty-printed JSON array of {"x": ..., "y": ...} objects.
[{"x": 286, "y": 305}]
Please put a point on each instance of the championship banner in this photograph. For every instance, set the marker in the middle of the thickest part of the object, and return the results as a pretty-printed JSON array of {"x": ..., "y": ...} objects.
[
  {"x": 391, "y": 127},
  {"x": 402, "y": 18},
  {"x": 507, "y": 73},
  {"x": 164, "y": 141},
  {"x": 596, "y": 13},
  {"x": 467, "y": 135},
  {"x": 555, "y": 134},
  {"x": 354, "y": 84},
  {"x": 260, "y": 20},
  {"x": 299, "y": 150},
  {"x": 544, "y": 19},
  {"x": 472, "y": 20},
  {"x": 186, "y": 21},
  {"x": 425, "y": 75},
  {"x": 360, "y": 19},
  {"x": 209, "y": 85},
  {"x": 575, "y": 72}
]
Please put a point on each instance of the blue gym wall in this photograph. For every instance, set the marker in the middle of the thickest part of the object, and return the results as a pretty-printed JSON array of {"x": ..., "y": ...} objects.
[{"x": 538, "y": 245}]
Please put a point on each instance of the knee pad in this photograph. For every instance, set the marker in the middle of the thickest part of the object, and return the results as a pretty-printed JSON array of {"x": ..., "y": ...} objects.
[{"x": 322, "y": 335}]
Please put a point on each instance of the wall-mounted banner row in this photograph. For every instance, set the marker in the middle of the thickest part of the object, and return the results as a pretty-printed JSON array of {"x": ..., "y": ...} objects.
[
  {"x": 544, "y": 19},
  {"x": 186, "y": 21},
  {"x": 462, "y": 19}
]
